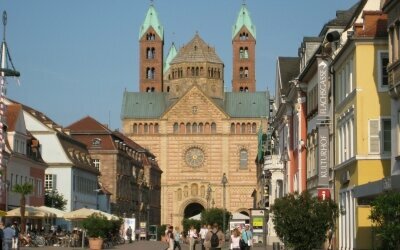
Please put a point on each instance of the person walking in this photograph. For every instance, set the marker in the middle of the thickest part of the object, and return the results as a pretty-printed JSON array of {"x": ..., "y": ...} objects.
[
  {"x": 192, "y": 238},
  {"x": 214, "y": 238},
  {"x": 235, "y": 239},
  {"x": 203, "y": 232},
  {"x": 8, "y": 234},
  {"x": 16, "y": 235},
  {"x": 171, "y": 241},
  {"x": 247, "y": 236},
  {"x": 177, "y": 238},
  {"x": 129, "y": 234}
]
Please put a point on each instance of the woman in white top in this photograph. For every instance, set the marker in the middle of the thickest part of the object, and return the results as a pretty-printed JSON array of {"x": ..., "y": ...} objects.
[
  {"x": 192, "y": 238},
  {"x": 235, "y": 238}
]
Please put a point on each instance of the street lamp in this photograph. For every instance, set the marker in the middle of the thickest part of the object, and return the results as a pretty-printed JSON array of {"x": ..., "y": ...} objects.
[
  {"x": 208, "y": 197},
  {"x": 224, "y": 181}
]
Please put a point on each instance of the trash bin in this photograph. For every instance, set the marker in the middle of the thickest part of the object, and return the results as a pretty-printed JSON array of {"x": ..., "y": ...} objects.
[{"x": 276, "y": 246}]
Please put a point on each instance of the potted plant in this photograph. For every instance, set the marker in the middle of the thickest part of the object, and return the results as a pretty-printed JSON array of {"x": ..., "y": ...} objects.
[{"x": 97, "y": 226}]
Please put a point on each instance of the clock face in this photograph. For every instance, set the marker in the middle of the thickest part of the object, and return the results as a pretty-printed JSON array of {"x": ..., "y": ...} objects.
[{"x": 194, "y": 157}]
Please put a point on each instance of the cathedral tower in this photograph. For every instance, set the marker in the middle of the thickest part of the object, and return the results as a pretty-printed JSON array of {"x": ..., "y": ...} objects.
[
  {"x": 151, "y": 39},
  {"x": 244, "y": 56}
]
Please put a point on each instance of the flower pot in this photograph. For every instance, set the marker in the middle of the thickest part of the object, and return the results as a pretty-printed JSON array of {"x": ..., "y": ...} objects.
[{"x": 95, "y": 243}]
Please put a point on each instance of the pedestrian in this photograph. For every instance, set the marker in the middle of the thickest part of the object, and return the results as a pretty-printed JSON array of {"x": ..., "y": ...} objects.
[
  {"x": 171, "y": 241},
  {"x": 8, "y": 234},
  {"x": 166, "y": 237},
  {"x": 214, "y": 238},
  {"x": 235, "y": 239},
  {"x": 16, "y": 236},
  {"x": 192, "y": 238},
  {"x": 177, "y": 238},
  {"x": 247, "y": 236},
  {"x": 129, "y": 234},
  {"x": 203, "y": 232},
  {"x": 1, "y": 235}
]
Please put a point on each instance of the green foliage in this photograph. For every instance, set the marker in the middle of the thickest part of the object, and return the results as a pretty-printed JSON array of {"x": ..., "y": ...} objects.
[
  {"x": 54, "y": 199},
  {"x": 161, "y": 231},
  {"x": 187, "y": 223},
  {"x": 385, "y": 214},
  {"x": 23, "y": 189},
  {"x": 215, "y": 215},
  {"x": 302, "y": 221},
  {"x": 97, "y": 225}
]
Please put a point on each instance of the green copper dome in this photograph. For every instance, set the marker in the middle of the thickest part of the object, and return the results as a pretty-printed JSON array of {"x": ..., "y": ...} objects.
[
  {"x": 171, "y": 55},
  {"x": 151, "y": 20},
  {"x": 244, "y": 19}
]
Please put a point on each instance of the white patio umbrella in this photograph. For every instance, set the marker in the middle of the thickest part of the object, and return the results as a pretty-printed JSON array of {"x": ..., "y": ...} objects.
[
  {"x": 30, "y": 212},
  {"x": 83, "y": 213},
  {"x": 59, "y": 213}
]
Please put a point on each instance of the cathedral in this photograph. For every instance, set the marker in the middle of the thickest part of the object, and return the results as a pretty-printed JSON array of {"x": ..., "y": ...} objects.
[{"x": 199, "y": 133}]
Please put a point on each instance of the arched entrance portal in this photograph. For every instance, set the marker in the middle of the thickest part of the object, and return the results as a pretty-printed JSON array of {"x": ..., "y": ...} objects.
[{"x": 192, "y": 209}]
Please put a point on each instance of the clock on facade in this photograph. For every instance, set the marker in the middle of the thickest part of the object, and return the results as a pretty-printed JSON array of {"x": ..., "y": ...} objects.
[{"x": 194, "y": 157}]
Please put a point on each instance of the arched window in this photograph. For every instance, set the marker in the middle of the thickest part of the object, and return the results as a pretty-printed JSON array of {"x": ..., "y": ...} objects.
[
  {"x": 135, "y": 128},
  {"x": 201, "y": 71},
  {"x": 188, "y": 71},
  {"x": 151, "y": 128},
  {"x": 147, "y": 89},
  {"x": 140, "y": 128},
  {"x": 156, "y": 128},
  {"x": 153, "y": 53},
  {"x": 246, "y": 72},
  {"x": 241, "y": 53},
  {"x": 207, "y": 128},
  {"x": 246, "y": 53},
  {"x": 254, "y": 127},
  {"x": 213, "y": 128},
  {"x": 246, "y": 89},
  {"x": 168, "y": 89},
  {"x": 192, "y": 70},
  {"x": 241, "y": 89},
  {"x": 248, "y": 128},
  {"x": 209, "y": 72},
  {"x": 241, "y": 72},
  {"x": 153, "y": 73},
  {"x": 176, "y": 128},
  {"x": 146, "y": 128},
  {"x": 243, "y": 158},
  {"x": 152, "y": 89},
  {"x": 182, "y": 128},
  {"x": 197, "y": 71},
  {"x": 148, "y": 73},
  {"x": 232, "y": 128},
  {"x": 201, "y": 128},
  {"x": 188, "y": 128},
  {"x": 194, "y": 128},
  {"x": 238, "y": 128},
  {"x": 243, "y": 128}
]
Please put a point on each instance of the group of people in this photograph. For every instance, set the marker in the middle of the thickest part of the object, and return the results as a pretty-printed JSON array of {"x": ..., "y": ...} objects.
[
  {"x": 9, "y": 236},
  {"x": 210, "y": 238}
]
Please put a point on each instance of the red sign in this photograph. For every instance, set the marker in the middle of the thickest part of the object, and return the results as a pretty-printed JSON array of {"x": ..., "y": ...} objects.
[{"x": 324, "y": 194}]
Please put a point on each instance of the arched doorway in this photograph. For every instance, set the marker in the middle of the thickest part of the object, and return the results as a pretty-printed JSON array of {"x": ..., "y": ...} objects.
[{"x": 192, "y": 209}]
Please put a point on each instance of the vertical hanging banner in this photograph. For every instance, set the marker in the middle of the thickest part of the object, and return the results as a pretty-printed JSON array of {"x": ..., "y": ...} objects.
[
  {"x": 323, "y": 89},
  {"x": 323, "y": 156}
]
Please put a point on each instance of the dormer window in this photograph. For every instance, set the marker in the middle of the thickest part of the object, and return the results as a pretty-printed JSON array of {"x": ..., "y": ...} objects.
[{"x": 96, "y": 142}]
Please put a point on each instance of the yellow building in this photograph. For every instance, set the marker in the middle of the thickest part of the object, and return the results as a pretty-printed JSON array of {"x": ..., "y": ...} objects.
[{"x": 362, "y": 127}]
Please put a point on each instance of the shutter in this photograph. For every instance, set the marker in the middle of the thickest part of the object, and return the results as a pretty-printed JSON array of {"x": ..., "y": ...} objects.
[
  {"x": 54, "y": 187},
  {"x": 374, "y": 143}
]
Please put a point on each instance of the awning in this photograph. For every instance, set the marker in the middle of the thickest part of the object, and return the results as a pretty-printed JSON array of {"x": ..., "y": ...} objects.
[{"x": 375, "y": 188}]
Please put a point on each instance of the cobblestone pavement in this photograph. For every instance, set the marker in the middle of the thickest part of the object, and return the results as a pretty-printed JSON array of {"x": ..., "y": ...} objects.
[{"x": 138, "y": 245}]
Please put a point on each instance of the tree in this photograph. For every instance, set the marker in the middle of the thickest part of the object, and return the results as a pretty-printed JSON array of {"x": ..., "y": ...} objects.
[
  {"x": 52, "y": 198},
  {"x": 215, "y": 215},
  {"x": 385, "y": 215},
  {"x": 302, "y": 221},
  {"x": 23, "y": 190}
]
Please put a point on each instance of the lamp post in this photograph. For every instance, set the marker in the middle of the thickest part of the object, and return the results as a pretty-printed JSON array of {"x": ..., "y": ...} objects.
[
  {"x": 224, "y": 181},
  {"x": 208, "y": 197}
]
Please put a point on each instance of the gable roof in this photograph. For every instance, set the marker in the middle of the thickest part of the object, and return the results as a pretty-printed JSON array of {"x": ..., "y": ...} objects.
[
  {"x": 12, "y": 113},
  {"x": 244, "y": 19},
  {"x": 143, "y": 104},
  {"x": 89, "y": 125},
  {"x": 246, "y": 104},
  {"x": 196, "y": 51},
  {"x": 151, "y": 20}
]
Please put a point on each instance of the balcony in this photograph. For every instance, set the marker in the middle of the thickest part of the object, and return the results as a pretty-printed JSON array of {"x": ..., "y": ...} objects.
[{"x": 394, "y": 79}]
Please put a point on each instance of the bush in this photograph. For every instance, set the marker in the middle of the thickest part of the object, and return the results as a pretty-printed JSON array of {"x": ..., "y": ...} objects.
[
  {"x": 97, "y": 225},
  {"x": 187, "y": 223},
  {"x": 215, "y": 215}
]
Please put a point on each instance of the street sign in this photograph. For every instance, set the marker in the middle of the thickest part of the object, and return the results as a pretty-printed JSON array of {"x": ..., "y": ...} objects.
[{"x": 324, "y": 194}]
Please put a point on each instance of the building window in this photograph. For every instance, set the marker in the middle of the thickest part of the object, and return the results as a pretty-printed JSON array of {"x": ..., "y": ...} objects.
[
  {"x": 344, "y": 80},
  {"x": 379, "y": 136},
  {"x": 346, "y": 220},
  {"x": 96, "y": 163},
  {"x": 213, "y": 128},
  {"x": 243, "y": 158},
  {"x": 96, "y": 142},
  {"x": 383, "y": 60},
  {"x": 50, "y": 182},
  {"x": 176, "y": 128}
]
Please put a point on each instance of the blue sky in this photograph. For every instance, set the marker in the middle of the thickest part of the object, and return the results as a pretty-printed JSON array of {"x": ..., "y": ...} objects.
[{"x": 77, "y": 57}]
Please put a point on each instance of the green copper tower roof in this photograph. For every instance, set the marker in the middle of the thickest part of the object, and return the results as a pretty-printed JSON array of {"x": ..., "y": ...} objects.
[
  {"x": 152, "y": 20},
  {"x": 244, "y": 19},
  {"x": 171, "y": 55}
]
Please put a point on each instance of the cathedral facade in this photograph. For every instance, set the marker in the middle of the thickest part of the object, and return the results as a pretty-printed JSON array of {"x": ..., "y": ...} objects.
[{"x": 197, "y": 130}]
